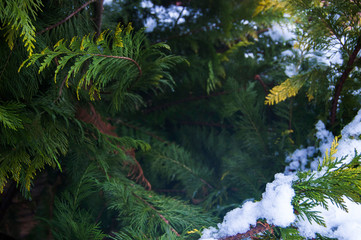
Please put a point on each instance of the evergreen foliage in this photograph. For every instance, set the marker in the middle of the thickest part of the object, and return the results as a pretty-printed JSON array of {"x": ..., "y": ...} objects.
[
  {"x": 328, "y": 26},
  {"x": 17, "y": 19},
  {"x": 157, "y": 134},
  {"x": 338, "y": 181}
]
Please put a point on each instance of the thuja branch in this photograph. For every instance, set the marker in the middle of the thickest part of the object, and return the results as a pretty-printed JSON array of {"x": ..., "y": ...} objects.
[
  {"x": 67, "y": 18},
  {"x": 186, "y": 168},
  {"x": 349, "y": 67},
  {"x": 160, "y": 215}
]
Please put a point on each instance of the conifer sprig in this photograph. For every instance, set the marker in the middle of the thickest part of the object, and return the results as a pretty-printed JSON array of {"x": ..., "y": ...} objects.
[
  {"x": 118, "y": 61},
  {"x": 328, "y": 26},
  {"x": 69, "y": 220},
  {"x": 33, "y": 151},
  {"x": 334, "y": 181},
  {"x": 149, "y": 213},
  {"x": 9, "y": 115},
  {"x": 279, "y": 93},
  {"x": 67, "y": 18},
  {"x": 16, "y": 16},
  {"x": 103, "y": 54}
]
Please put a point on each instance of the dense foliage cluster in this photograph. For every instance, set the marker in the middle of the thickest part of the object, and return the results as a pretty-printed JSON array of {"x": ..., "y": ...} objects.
[{"x": 109, "y": 130}]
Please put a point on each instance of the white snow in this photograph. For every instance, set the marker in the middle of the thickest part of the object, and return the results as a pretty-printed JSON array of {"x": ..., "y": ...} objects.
[
  {"x": 276, "y": 207},
  {"x": 282, "y": 32},
  {"x": 299, "y": 159},
  {"x": 146, "y": 4},
  {"x": 150, "y": 23},
  {"x": 172, "y": 14},
  {"x": 340, "y": 224},
  {"x": 249, "y": 55},
  {"x": 291, "y": 70}
]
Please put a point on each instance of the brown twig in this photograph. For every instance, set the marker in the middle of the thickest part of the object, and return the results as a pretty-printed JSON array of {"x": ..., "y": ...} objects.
[
  {"x": 179, "y": 16},
  {"x": 259, "y": 228},
  {"x": 259, "y": 79},
  {"x": 136, "y": 171},
  {"x": 349, "y": 67},
  {"x": 67, "y": 18},
  {"x": 160, "y": 215},
  {"x": 120, "y": 57}
]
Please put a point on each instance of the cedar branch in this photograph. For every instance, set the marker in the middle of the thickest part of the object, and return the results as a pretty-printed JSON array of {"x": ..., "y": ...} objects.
[
  {"x": 186, "y": 168},
  {"x": 160, "y": 215},
  {"x": 120, "y": 57},
  {"x": 67, "y": 18}
]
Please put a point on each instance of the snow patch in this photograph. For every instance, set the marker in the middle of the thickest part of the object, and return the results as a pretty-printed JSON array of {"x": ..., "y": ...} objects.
[
  {"x": 282, "y": 32},
  {"x": 275, "y": 206},
  {"x": 340, "y": 224}
]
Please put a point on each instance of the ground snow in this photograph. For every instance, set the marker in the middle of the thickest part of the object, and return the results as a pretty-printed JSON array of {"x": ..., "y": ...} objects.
[{"x": 276, "y": 207}]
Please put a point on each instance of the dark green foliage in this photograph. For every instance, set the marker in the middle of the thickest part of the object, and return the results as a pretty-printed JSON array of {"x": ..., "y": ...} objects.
[
  {"x": 70, "y": 221},
  {"x": 149, "y": 213},
  {"x": 288, "y": 233},
  {"x": 156, "y": 135},
  {"x": 44, "y": 123},
  {"x": 104, "y": 58}
]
